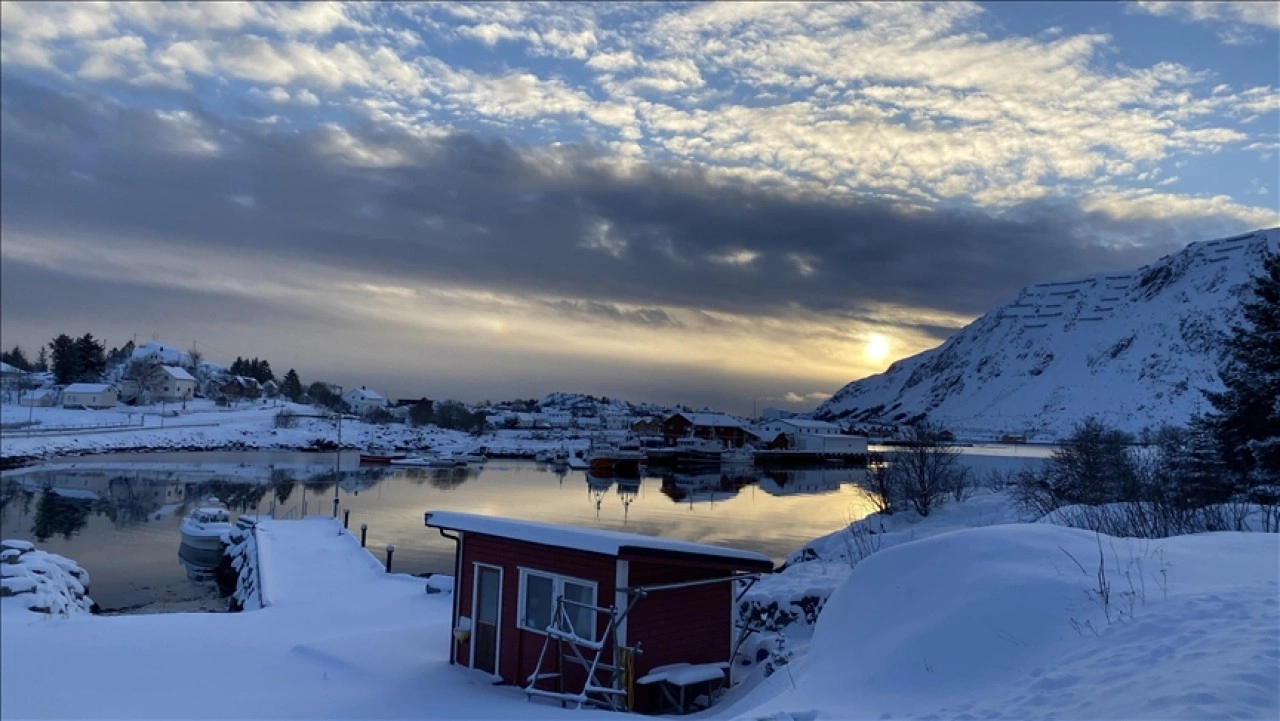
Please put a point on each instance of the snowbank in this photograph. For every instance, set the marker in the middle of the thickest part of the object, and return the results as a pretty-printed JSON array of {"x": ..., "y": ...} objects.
[
  {"x": 1010, "y": 621},
  {"x": 42, "y": 582}
]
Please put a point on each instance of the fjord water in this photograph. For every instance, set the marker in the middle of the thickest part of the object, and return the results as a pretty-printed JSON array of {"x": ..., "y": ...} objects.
[{"x": 118, "y": 515}]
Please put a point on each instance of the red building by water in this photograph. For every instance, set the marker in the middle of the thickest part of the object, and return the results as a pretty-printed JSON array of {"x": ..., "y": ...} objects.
[{"x": 534, "y": 599}]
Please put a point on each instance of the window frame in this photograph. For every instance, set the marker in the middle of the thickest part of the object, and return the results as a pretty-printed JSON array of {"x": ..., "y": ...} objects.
[{"x": 557, "y": 590}]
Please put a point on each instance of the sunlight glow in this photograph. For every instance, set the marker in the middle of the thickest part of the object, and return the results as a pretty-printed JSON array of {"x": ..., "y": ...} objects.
[{"x": 877, "y": 348}]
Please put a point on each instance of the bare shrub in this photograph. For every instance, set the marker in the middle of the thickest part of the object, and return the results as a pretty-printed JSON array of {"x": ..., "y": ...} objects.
[
  {"x": 924, "y": 468},
  {"x": 286, "y": 419}
]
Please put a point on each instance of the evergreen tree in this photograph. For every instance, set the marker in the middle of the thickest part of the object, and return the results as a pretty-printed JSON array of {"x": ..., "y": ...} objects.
[
  {"x": 16, "y": 358},
  {"x": 291, "y": 387},
  {"x": 42, "y": 361},
  {"x": 66, "y": 368},
  {"x": 91, "y": 359},
  {"x": 1246, "y": 421}
]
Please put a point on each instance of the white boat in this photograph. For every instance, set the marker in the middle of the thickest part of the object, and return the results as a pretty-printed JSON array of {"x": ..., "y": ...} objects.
[
  {"x": 419, "y": 461},
  {"x": 743, "y": 456},
  {"x": 698, "y": 450},
  {"x": 577, "y": 464},
  {"x": 471, "y": 457},
  {"x": 204, "y": 527},
  {"x": 542, "y": 457}
]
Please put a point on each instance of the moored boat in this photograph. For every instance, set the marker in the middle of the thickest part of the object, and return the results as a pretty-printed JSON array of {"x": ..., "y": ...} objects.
[
  {"x": 380, "y": 456},
  {"x": 204, "y": 527}
]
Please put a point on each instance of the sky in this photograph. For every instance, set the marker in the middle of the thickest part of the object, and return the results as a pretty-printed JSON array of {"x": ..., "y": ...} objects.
[{"x": 729, "y": 205}]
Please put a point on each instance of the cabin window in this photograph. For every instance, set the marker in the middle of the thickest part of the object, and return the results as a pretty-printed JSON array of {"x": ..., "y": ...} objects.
[{"x": 538, "y": 594}]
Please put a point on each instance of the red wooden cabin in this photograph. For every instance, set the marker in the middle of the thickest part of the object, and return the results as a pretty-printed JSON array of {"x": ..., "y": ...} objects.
[{"x": 642, "y": 601}]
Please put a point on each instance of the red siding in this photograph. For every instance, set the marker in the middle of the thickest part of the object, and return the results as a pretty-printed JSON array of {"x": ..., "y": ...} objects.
[{"x": 519, "y": 649}]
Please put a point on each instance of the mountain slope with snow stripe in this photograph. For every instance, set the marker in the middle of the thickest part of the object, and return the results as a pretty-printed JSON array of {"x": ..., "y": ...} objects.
[{"x": 1135, "y": 349}]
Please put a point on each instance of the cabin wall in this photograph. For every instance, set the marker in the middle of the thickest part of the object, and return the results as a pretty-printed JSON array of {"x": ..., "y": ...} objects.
[
  {"x": 518, "y": 649},
  {"x": 689, "y": 625}
]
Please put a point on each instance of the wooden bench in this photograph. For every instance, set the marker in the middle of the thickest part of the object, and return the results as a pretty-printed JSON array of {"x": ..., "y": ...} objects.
[{"x": 683, "y": 684}]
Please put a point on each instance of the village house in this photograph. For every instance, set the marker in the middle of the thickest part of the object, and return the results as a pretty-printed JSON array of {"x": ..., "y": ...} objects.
[
  {"x": 97, "y": 396},
  {"x": 38, "y": 398},
  {"x": 238, "y": 388},
  {"x": 535, "y": 603},
  {"x": 363, "y": 401},
  {"x": 730, "y": 431},
  {"x": 169, "y": 384},
  {"x": 802, "y": 434}
]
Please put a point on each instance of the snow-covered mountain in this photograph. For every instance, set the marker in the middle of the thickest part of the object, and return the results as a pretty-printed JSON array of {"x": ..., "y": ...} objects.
[{"x": 1134, "y": 349}]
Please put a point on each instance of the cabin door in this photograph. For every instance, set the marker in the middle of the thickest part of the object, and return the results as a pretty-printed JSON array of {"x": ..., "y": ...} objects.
[{"x": 487, "y": 602}]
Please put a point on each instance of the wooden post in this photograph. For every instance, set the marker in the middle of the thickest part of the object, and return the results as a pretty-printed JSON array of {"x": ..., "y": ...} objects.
[
  {"x": 391, "y": 548},
  {"x": 346, "y": 517},
  {"x": 364, "y": 529}
]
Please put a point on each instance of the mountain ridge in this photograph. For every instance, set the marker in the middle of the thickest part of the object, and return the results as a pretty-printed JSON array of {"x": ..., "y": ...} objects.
[{"x": 1134, "y": 349}]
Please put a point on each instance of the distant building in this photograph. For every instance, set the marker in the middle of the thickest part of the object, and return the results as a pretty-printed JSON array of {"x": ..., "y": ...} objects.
[
  {"x": 170, "y": 384},
  {"x": 90, "y": 395},
  {"x": 160, "y": 353},
  {"x": 39, "y": 398},
  {"x": 363, "y": 401},
  {"x": 727, "y": 429}
]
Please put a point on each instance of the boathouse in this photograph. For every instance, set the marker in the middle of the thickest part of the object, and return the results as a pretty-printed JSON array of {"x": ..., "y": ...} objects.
[
  {"x": 587, "y": 616},
  {"x": 730, "y": 431}
]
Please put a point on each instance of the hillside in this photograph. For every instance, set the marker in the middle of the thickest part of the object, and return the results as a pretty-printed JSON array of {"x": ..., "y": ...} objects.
[{"x": 1134, "y": 349}]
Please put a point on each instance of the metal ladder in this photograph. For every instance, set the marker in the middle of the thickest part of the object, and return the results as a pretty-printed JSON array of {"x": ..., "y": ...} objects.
[{"x": 594, "y": 690}]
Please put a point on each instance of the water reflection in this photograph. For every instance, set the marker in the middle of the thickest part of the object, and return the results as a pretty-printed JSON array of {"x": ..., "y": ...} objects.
[
  {"x": 201, "y": 563},
  {"x": 120, "y": 518}
]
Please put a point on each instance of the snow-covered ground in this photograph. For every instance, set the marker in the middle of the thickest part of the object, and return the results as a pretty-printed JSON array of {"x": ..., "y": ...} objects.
[
  {"x": 203, "y": 425},
  {"x": 965, "y": 614}
]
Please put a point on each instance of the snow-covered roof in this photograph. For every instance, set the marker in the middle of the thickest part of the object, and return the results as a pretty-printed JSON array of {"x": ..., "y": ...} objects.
[
  {"x": 593, "y": 540},
  {"x": 365, "y": 394},
  {"x": 6, "y": 368},
  {"x": 713, "y": 419},
  {"x": 178, "y": 374},
  {"x": 806, "y": 424},
  {"x": 86, "y": 388},
  {"x": 160, "y": 351}
]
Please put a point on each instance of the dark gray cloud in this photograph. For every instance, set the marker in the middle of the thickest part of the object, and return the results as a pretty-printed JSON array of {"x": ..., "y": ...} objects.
[{"x": 475, "y": 211}]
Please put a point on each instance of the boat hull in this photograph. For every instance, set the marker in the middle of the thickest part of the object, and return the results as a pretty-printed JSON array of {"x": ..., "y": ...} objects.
[{"x": 380, "y": 459}]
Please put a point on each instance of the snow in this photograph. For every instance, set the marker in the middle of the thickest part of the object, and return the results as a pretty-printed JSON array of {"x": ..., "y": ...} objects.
[
  {"x": 177, "y": 373},
  {"x": 86, "y": 388},
  {"x": 204, "y": 425},
  {"x": 1002, "y": 621},
  {"x": 994, "y": 619},
  {"x": 684, "y": 674},
  {"x": 583, "y": 539},
  {"x": 1134, "y": 349},
  {"x": 34, "y": 580}
]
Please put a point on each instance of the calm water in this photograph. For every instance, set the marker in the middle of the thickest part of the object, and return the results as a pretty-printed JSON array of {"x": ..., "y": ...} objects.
[{"x": 118, "y": 515}]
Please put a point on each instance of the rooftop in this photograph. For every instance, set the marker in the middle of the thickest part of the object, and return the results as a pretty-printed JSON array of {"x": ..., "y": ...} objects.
[{"x": 611, "y": 543}]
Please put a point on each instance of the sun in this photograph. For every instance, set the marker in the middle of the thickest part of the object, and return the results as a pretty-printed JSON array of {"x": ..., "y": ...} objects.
[{"x": 877, "y": 348}]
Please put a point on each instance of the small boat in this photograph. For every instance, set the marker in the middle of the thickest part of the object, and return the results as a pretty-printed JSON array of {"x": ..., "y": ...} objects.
[
  {"x": 743, "y": 456},
  {"x": 415, "y": 461},
  {"x": 471, "y": 457},
  {"x": 695, "y": 451},
  {"x": 542, "y": 457},
  {"x": 380, "y": 456},
  {"x": 204, "y": 527},
  {"x": 577, "y": 463}
]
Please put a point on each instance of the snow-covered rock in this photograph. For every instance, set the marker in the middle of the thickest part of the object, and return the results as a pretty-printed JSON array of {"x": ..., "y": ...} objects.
[
  {"x": 1134, "y": 349},
  {"x": 41, "y": 582}
]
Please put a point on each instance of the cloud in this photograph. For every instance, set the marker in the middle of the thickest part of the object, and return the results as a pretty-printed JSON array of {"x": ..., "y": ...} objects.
[{"x": 1261, "y": 14}]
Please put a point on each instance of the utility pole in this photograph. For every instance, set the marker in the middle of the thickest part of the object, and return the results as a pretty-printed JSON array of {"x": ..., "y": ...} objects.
[{"x": 337, "y": 461}]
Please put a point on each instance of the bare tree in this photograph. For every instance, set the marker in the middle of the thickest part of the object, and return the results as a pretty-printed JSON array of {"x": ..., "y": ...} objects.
[{"x": 924, "y": 468}]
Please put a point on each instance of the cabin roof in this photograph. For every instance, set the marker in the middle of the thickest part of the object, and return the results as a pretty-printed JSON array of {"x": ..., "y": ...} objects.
[
  {"x": 712, "y": 419},
  {"x": 612, "y": 543},
  {"x": 176, "y": 373},
  {"x": 87, "y": 388}
]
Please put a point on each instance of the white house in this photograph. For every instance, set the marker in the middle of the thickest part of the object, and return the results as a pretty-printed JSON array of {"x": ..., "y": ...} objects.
[
  {"x": 363, "y": 401},
  {"x": 160, "y": 353},
  {"x": 812, "y": 436},
  {"x": 39, "y": 398},
  {"x": 89, "y": 395},
  {"x": 792, "y": 426},
  {"x": 171, "y": 384}
]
